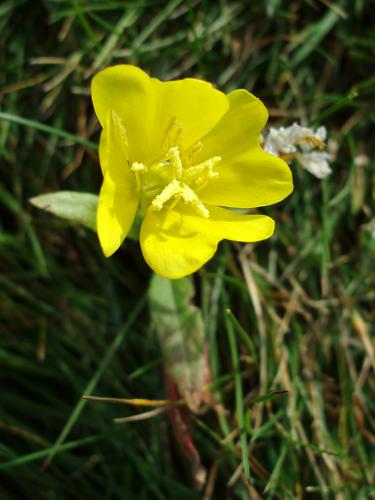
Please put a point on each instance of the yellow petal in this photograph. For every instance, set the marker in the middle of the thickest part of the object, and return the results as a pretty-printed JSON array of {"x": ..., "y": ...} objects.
[
  {"x": 113, "y": 155},
  {"x": 225, "y": 224},
  {"x": 115, "y": 216},
  {"x": 248, "y": 176},
  {"x": 172, "y": 248},
  {"x": 156, "y": 115},
  {"x": 128, "y": 92},
  {"x": 251, "y": 179},
  {"x": 237, "y": 227},
  {"x": 187, "y": 110},
  {"x": 178, "y": 242},
  {"x": 238, "y": 130}
]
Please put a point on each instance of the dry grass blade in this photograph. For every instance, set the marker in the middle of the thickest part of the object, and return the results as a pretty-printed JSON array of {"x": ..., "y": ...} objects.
[
  {"x": 134, "y": 402},
  {"x": 141, "y": 416}
]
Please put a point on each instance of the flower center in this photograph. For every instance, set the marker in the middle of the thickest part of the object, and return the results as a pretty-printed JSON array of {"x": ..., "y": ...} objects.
[{"x": 172, "y": 179}]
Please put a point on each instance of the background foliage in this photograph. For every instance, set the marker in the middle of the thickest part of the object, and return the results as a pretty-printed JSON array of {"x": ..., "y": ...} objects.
[{"x": 297, "y": 309}]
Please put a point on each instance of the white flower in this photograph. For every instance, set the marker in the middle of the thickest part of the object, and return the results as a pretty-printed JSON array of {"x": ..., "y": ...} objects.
[
  {"x": 315, "y": 162},
  {"x": 300, "y": 143}
]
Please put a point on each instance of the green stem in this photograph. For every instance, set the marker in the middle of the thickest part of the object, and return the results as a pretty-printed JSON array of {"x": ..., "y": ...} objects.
[{"x": 239, "y": 395}]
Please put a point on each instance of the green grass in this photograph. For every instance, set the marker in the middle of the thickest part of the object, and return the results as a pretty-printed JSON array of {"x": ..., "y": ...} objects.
[{"x": 293, "y": 314}]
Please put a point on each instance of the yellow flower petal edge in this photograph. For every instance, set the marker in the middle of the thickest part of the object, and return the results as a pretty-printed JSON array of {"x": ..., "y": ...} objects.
[
  {"x": 178, "y": 152},
  {"x": 238, "y": 130},
  {"x": 251, "y": 179},
  {"x": 248, "y": 177},
  {"x": 155, "y": 114},
  {"x": 114, "y": 216},
  {"x": 128, "y": 92},
  {"x": 178, "y": 242},
  {"x": 174, "y": 249}
]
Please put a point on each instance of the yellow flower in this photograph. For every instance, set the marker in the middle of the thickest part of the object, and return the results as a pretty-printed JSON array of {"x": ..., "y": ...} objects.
[{"x": 179, "y": 151}]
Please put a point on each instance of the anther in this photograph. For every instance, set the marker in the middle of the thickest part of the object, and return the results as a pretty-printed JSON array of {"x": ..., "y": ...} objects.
[
  {"x": 172, "y": 134},
  {"x": 171, "y": 190},
  {"x": 137, "y": 169},
  {"x": 174, "y": 156},
  {"x": 204, "y": 170},
  {"x": 180, "y": 184}
]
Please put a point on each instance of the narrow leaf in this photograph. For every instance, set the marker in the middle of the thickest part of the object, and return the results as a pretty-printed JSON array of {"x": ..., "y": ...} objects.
[
  {"x": 267, "y": 397},
  {"x": 77, "y": 207},
  {"x": 180, "y": 329}
]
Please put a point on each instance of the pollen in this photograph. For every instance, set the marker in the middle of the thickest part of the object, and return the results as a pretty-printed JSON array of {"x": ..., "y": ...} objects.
[
  {"x": 166, "y": 183},
  {"x": 138, "y": 168}
]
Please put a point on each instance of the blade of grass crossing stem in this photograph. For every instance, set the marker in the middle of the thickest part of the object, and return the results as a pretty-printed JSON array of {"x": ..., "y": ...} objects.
[
  {"x": 47, "y": 129},
  {"x": 275, "y": 476},
  {"x": 156, "y": 22},
  {"x": 13, "y": 205},
  {"x": 348, "y": 186},
  {"x": 38, "y": 455},
  {"x": 313, "y": 36},
  {"x": 96, "y": 377},
  {"x": 243, "y": 335},
  {"x": 79, "y": 13},
  {"x": 125, "y": 21},
  {"x": 238, "y": 395},
  {"x": 211, "y": 314},
  {"x": 326, "y": 238}
]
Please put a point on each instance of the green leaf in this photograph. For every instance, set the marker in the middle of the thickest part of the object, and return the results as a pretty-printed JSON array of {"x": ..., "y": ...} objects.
[
  {"x": 77, "y": 207},
  {"x": 267, "y": 397},
  {"x": 180, "y": 330}
]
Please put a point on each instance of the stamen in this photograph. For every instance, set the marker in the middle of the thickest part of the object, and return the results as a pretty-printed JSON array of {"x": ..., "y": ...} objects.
[
  {"x": 188, "y": 155},
  {"x": 180, "y": 184},
  {"x": 167, "y": 131},
  {"x": 195, "y": 148},
  {"x": 177, "y": 190},
  {"x": 172, "y": 134},
  {"x": 177, "y": 198},
  {"x": 174, "y": 155},
  {"x": 189, "y": 196},
  {"x": 137, "y": 169},
  {"x": 171, "y": 190},
  {"x": 204, "y": 170}
]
